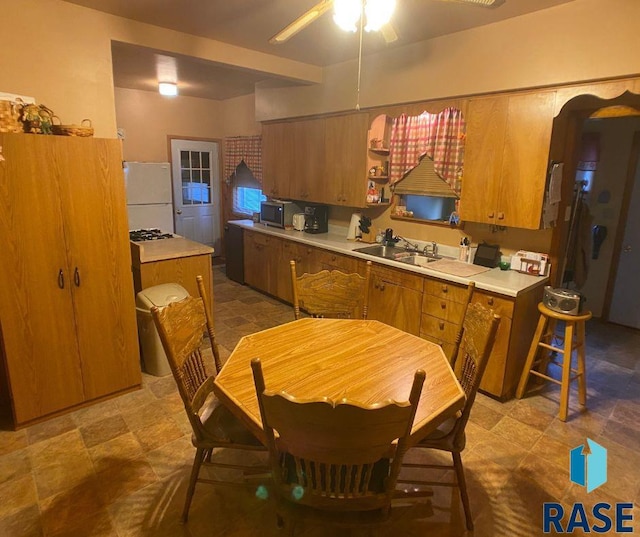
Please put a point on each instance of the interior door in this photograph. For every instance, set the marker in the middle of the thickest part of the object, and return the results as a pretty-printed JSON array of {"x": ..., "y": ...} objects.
[
  {"x": 625, "y": 308},
  {"x": 196, "y": 191}
]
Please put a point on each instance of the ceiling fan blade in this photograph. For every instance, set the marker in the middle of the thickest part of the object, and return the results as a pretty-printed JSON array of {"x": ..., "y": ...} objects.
[
  {"x": 389, "y": 33},
  {"x": 481, "y": 3},
  {"x": 301, "y": 22}
]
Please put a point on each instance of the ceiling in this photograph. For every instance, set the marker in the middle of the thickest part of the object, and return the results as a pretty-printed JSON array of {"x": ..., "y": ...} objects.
[{"x": 250, "y": 24}]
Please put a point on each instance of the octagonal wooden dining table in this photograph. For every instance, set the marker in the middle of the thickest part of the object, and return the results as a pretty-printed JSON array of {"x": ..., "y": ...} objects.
[{"x": 364, "y": 361}]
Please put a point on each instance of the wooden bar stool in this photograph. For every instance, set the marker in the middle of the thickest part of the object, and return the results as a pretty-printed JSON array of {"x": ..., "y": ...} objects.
[{"x": 574, "y": 339}]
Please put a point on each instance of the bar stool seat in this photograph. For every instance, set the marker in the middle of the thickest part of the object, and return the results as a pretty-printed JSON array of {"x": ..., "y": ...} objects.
[{"x": 544, "y": 338}]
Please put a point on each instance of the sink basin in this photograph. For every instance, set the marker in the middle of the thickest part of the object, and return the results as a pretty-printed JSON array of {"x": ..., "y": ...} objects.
[
  {"x": 398, "y": 254},
  {"x": 379, "y": 250},
  {"x": 418, "y": 259}
]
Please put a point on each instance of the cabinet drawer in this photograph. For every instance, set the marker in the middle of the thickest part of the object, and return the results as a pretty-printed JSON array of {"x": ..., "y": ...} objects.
[
  {"x": 333, "y": 261},
  {"x": 450, "y": 291},
  {"x": 438, "y": 328},
  {"x": 397, "y": 277},
  {"x": 442, "y": 308},
  {"x": 500, "y": 305},
  {"x": 259, "y": 239}
]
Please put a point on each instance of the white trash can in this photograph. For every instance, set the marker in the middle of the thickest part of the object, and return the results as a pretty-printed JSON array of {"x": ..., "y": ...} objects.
[{"x": 153, "y": 355}]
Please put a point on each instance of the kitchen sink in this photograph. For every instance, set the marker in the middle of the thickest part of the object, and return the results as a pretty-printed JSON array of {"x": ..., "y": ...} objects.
[
  {"x": 379, "y": 250},
  {"x": 398, "y": 254}
]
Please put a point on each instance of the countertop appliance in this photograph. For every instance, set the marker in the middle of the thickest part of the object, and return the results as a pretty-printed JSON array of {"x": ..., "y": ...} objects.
[
  {"x": 316, "y": 219},
  {"x": 563, "y": 300},
  {"x": 149, "y": 202},
  {"x": 278, "y": 213},
  {"x": 153, "y": 234}
]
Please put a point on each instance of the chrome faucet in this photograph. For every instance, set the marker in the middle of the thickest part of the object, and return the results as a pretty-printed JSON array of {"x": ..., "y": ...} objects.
[
  {"x": 434, "y": 249},
  {"x": 408, "y": 245}
]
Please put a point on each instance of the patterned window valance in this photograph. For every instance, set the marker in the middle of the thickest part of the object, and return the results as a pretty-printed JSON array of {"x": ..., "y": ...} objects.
[
  {"x": 439, "y": 136},
  {"x": 243, "y": 148}
]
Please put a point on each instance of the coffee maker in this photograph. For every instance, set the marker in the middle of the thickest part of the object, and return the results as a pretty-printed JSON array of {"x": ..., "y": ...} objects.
[{"x": 316, "y": 218}]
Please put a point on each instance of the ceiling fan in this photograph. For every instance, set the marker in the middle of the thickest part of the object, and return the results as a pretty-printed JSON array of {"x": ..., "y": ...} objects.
[{"x": 361, "y": 7}]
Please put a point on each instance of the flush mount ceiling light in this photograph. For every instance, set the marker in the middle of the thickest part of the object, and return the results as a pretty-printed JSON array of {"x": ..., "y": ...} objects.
[{"x": 168, "y": 88}]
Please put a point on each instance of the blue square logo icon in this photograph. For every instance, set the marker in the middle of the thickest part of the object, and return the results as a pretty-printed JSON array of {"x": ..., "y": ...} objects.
[{"x": 588, "y": 465}]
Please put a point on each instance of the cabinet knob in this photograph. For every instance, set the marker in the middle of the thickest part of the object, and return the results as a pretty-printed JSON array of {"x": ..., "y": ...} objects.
[
  {"x": 490, "y": 215},
  {"x": 61, "y": 279},
  {"x": 382, "y": 287},
  {"x": 490, "y": 301},
  {"x": 76, "y": 277},
  {"x": 441, "y": 325},
  {"x": 445, "y": 289},
  {"x": 500, "y": 216},
  {"x": 443, "y": 305}
]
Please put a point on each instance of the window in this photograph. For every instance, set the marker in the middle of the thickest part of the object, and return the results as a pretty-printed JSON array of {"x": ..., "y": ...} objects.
[
  {"x": 247, "y": 194},
  {"x": 247, "y": 200}
]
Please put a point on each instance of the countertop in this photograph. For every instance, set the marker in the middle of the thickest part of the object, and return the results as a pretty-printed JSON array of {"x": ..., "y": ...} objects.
[
  {"x": 504, "y": 282},
  {"x": 163, "y": 249}
]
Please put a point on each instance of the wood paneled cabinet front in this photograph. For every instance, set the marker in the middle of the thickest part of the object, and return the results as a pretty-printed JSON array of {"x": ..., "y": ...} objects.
[
  {"x": 506, "y": 157},
  {"x": 262, "y": 253},
  {"x": 346, "y": 159},
  {"x": 67, "y": 309},
  {"x": 318, "y": 160},
  {"x": 395, "y": 298}
]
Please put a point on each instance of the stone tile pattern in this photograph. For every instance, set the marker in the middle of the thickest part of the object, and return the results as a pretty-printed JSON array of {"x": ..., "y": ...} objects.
[{"x": 120, "y": 468}]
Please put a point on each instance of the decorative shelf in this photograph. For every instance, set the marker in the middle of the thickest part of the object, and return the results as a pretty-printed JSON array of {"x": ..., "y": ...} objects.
[
  {"x": 381, "y": 150},
  {"x": 378, "y": 177},
  {"x": 378, "y": 204}
]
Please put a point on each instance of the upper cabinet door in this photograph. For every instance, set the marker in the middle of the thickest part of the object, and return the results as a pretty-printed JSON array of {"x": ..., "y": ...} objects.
[
  {"x": 506, "y": 158},
  {"x": 486, "y": 120},
  {"x": 307, "y": 182},
  {"x": 277, "y": 159},
  {"x": 525, "y": 160},
  {"x": 346, "y": 159}
]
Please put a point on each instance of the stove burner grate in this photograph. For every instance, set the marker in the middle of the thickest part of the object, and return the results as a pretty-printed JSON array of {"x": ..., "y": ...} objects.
[{"x": 154, "y": 234}]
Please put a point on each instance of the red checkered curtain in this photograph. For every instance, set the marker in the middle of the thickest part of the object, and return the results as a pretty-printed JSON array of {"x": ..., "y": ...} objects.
[
  {"x": 239, "y": 148},
  {"x": 439, "y": 136}
]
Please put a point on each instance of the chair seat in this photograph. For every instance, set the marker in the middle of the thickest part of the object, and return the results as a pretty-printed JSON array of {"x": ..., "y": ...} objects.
[{"x": 222, "y": 425}]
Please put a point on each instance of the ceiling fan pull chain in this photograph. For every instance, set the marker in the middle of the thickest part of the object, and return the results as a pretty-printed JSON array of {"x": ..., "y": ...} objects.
[{"x": 360, "y": 55}]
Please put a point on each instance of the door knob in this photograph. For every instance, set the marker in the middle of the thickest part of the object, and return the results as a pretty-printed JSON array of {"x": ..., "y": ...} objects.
[
  {"x": 179, "y": 211},
  {"x": 627, "y": 248}
]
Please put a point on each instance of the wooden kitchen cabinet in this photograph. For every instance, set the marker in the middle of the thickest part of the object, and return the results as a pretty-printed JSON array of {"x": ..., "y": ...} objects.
[
  {"x": 506, "y": 158},
  {"x": 346, "y": 159},
  {"x": 262, "y": 259},
  {"x": 177, "y": 260},
  {"x": 395, "y": 298},
  {"x": 278, "y": 140},
  {"x": 443, "y": 306},
  {"x": 66, "y": 296}
]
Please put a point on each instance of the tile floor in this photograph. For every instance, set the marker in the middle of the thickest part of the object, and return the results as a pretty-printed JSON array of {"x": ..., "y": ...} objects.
[{"x": 119, "y": 468}]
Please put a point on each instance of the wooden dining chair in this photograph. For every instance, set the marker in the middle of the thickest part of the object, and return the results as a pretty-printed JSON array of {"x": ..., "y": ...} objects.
[
  {"x": 331, "y": 293},
  {"x": 334, "y": 461},
  {"x": 181, "y": 326},
  {"x": 480, "y": 326},
  {"x": 463, "y": 311}
]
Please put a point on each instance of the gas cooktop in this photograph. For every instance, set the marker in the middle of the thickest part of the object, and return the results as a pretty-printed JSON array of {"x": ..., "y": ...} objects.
[{"x": 139, "y": 235}]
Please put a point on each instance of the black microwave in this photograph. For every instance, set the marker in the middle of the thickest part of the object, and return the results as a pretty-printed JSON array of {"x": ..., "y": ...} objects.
[{"x": 278, "y": 213}]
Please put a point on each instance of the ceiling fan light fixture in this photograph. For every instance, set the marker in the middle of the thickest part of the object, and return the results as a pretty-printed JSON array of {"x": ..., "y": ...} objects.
[
  {"x": 346, "y": 14},
  {"x": 378, "y": 13},
  {"x": 483, "y": 3}
]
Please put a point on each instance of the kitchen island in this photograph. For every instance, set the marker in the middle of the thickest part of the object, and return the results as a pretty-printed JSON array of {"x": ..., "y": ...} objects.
[
  {"x": 175, "y": 260},
  {"x": 417, "y": 299}
]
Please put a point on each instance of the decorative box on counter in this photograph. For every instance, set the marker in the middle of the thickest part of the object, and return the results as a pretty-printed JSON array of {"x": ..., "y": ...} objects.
[{"x": 533, "y": 263}]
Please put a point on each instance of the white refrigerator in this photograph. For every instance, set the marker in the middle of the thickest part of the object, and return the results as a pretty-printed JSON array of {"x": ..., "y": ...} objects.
[{"x": 149, "y": 203}]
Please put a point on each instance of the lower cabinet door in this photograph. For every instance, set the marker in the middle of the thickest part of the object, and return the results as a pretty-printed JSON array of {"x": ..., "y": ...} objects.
[{"x": 395, "y": 305}]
